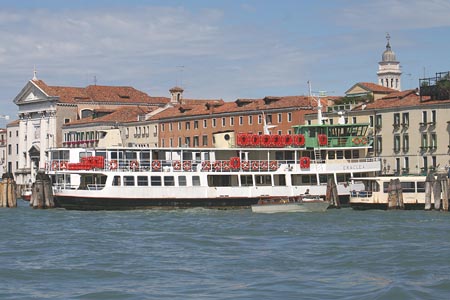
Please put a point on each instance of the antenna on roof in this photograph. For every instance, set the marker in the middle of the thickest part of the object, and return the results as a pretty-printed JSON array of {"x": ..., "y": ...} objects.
[
  {"x": 34, "y": 73},
  {"x": 95, "y": 79}
]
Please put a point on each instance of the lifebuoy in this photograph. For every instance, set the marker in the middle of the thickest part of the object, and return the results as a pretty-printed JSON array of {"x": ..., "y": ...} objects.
[
  {"x": 245, "y": 165},
  {"x": 245, "y": 140},
  {"x": 206, "y": 165},
  {"x": 273, "y": 165},
  {"x": 63, "y": 165},
  {"x": 276, "y": 140},
  {"x": 265, "y": 140},
  {"x": 240, "y": 139},
  {"x": 288, "y": 140},
  {"x": 226, "y": 165},
  {"x": 263, "y": 165},
  {"x": 235, "y": 163},
  {"x": 356, "y": 141},
  {"x": 55, "y": 165},
  {"x": 323, "y": 140},
  {"x": 176, "y": 165},
  {"x": 255, "y": 165},
  {"x": 217, "y": 165},
  {"x": 305, "y": 162},
  {"x": 256, "y": 140},
  {"x": 187, "y": 165},
  {"x": 363, "y": 140},
  {"x": 113, "y": 164},
  {"x": 156, "y": 165},
  {"x": 134, "y": 164},
  {"x": 299, "y": 140}
]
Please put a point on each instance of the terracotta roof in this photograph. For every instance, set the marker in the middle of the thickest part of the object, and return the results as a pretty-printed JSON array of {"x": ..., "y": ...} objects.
[
  {"x": 372, "y": 87},
  {"x": 99, "y": 93},
  {"x": 230, "y": 107},
  {"x": 121, "y": 115},
  {"x": 13, "y": 123},
  {"x": 403, "y": 99}
]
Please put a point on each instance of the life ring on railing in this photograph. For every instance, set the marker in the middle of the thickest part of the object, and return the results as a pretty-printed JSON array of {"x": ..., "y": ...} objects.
[
  {"x": 356, "y": 141},
  {"x": 113, "y": 164},
  {"x": 245, "y": 165},
  {"x": 288, "y": 140},
  {"x": 206, "y": 165},
  {"x": 323, "y": 140},
  {"x": 273, "y": 165},
  {"x": 55, "y": 165},
  {"x": 256, "y": 140},
  {"x": 235, "y": 163},
  {"x": 299, "y": 140},
  {"x": 363, "y": 140},
  {"x": 226, "y": 165},
  {"x": 255, "y": 165},
  {"x": 305, "y": 162},
  {"x": 264, "y": 165},
  {"x": 176, "y": 165},
  {"x": 265, "y": 140},
  {"x": 63, "y": 165},
  {"x": 156, "y": 165},
  {"x": 134, "y": 164},
  {"x": 217, "y": 165},
  {"x": 187, "y": 165},
  {"x": 245, "y": 140}
]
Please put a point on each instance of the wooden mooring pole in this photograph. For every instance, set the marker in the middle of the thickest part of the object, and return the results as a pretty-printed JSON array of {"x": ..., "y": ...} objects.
[
  {"x": 429, "y": 181},
  {"x": 444, "y": 183},
  {"x": 395, "y": 196},
  {"x": 42, "y": 192},
  {"x": 8, "y": 197},
  {"x": 332, "y": 195}
]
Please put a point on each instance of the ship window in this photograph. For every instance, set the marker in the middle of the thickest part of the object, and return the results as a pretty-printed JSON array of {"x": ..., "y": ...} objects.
[
  {"x": 116, "y": 181},
  {"x": 348, "y": 154},
  {"x": 279, "y": 180},
  {"x": 408, "y": 187},
  {"x": 263, "y": 180},
  {"x": 169, "y": 181},
  {"x": 246, "y": 180},
  {"x": 128, "y": 180},
  {"x": 182, "y": 180},
  {"x": 331, "y": 155},
  {"x": 142, "y": 181},
  {"x": 155, "y": 180},
  {"x": 323, "y": 178},
  {"x": 196, "y": 180},
  {"x": 339, "y": 154},
  {"x": 355, "y": 154},
  {"x": 420, "y": 187}
]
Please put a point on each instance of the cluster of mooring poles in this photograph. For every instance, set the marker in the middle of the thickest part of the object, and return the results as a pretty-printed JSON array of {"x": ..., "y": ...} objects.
[
  {"x": 438, "y": 187},
  {"x": 332, "y": 195},
  {"x": 8, "y": 197},
  {"x": 42, "y": 192}
]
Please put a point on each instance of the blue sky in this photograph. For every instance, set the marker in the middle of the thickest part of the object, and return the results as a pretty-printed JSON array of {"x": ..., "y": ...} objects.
[{"x": 228, "y": 49}]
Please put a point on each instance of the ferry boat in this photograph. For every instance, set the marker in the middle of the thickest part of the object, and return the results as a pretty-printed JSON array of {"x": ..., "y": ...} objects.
[
  {"x": 237, "y": 174},
  {"x": 375, "y": 194}
]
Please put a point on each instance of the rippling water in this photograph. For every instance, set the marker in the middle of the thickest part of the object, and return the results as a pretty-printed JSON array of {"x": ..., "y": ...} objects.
[{"x": 216, "y": 254}]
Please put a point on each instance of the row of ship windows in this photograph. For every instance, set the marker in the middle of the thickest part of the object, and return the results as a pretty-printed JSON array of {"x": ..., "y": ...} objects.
[
  {"x": 187, "y": 124},
  {"x": 223, "y": 180}
]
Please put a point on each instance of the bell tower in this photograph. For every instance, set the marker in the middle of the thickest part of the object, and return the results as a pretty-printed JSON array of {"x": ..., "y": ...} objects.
[{"x": 389, "y": 73}]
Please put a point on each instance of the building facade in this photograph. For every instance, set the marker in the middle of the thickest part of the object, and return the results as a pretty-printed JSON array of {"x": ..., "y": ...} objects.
[{"x": 44, "y": 109}]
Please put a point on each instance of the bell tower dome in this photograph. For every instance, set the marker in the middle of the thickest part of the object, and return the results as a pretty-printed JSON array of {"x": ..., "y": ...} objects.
[{"x": 389, "y": 73}]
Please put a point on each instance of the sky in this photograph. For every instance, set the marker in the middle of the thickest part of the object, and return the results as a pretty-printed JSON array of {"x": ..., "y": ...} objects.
[{"x": 217, "y": 49}]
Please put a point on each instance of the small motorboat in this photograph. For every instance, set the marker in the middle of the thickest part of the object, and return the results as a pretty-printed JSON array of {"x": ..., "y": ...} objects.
[
  {"x": 302, "y": 203},
  {"x": 26, "y": 193}
]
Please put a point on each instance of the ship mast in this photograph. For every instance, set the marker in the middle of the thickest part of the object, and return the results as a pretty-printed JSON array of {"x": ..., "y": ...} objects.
[{"x": 319, "y": 104}]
